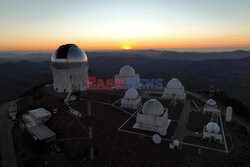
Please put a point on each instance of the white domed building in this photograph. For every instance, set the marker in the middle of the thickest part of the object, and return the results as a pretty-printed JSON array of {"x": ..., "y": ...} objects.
[
  {"x": 211, "y": 107},
  {"x": 129, "y": 77},
  {"x": 174, "y": 89},
  {"x": 69, "y": 65},
  {"x": 212, "y": 132},
  {"x": 229, "y": 113},
  {"x": 131, "y": 100},
  {"x": 153, "y": 117}
]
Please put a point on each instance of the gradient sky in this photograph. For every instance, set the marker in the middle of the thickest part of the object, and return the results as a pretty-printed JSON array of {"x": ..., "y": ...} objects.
[{"x": 115, "y": 24}]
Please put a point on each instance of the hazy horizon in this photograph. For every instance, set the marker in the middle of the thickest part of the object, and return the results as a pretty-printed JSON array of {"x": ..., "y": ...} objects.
[{"x": 160, "y": 49}]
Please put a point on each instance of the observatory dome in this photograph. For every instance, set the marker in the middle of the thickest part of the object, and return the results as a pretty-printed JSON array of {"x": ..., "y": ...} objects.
[
  {"x": 152, "y": 107},
  {"x": 131, "y": 94},
  {"x": 174, "y": 83},
  {"x": 69, "y": 53},
  {"x": 213, "y": 127},
  {"x": 127, "y": 71},
  {"x": 211, "y": 102}
]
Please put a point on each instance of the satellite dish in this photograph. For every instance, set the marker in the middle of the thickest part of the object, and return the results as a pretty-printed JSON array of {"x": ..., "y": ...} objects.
[{"x": 156, "y": 139}]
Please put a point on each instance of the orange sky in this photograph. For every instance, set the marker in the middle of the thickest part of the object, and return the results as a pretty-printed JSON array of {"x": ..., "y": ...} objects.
[
  {"x": 44, "y": 25},
  {"x": 156, "y": 44}
]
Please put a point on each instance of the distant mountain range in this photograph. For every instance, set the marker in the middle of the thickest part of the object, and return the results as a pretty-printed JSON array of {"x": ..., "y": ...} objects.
[
  {"x": 155, "y": 54},
  {"x": 173, "y": 55}
]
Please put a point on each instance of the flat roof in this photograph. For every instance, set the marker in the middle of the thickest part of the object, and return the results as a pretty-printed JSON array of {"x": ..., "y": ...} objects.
[
  {"x": 39, "y": 112},
  {"x": 42, "y": 132}
]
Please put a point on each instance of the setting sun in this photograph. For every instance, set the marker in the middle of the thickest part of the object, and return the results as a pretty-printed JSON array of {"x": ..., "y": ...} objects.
[{"x": 127, "y": 47}]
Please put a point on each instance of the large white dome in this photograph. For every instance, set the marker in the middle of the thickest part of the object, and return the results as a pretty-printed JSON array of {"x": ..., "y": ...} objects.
[
  {"x": 212, "y": 127},
  {"x": 152, "y": 107},
  {"x": 174, "y": 83},
  {"x": 127, "y": 71},
  {"x": 69, "y": 53},
  {"x": 211, "y": 102},
  {"x": 131, "y": 94}
]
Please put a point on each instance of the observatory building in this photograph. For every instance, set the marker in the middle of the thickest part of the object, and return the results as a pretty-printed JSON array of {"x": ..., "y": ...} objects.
[
  {"x": 174, "y": 90},
  {"x": 70, "y": 69},
  {"x": 212, "y": 132},
  {"x": 131, "y": 100},
  {"x": 211, "y": 107},
  {"x": 153, "y": 117},
  {"x": 129, "y": 77}
]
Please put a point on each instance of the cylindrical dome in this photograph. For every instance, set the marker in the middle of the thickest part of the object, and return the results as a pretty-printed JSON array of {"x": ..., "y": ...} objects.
[
  {"x": 131, "y": 94},
  {"x": 127, "y": 71},
  {"x": 152, "y": 107},
  {"x": 212, "y": 127},
  {"x": 174, "y": 83},
  {"x": 211, "y": 102},
  {"x": 69, "y": 53},
  {"x": 229, "y": 109}
]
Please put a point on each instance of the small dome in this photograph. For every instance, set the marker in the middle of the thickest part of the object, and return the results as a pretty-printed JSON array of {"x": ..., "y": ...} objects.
[
  {"x": 69, "y": 53},
  {"x": 152, "y": 107},
  {"x": 213, "y": 127},
  {"x": 176, "y": 143},
  {"x": 131, "y": 94},
  {"x": 174, "y": 83},
  {"x": 211, "y": 102},
  {"x": 127, "y": 71}
]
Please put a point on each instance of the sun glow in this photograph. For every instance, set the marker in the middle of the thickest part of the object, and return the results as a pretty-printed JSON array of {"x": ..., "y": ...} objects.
[{"x": 126, "y": 46}]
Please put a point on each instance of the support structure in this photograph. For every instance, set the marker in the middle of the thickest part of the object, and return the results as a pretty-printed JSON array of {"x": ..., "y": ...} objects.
[{"x": 211, "y": 90}]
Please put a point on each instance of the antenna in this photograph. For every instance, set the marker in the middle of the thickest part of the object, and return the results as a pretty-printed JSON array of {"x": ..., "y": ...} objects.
[
  {"x": 211, "y": 90},
  {"x": 173, "y": 100}
]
